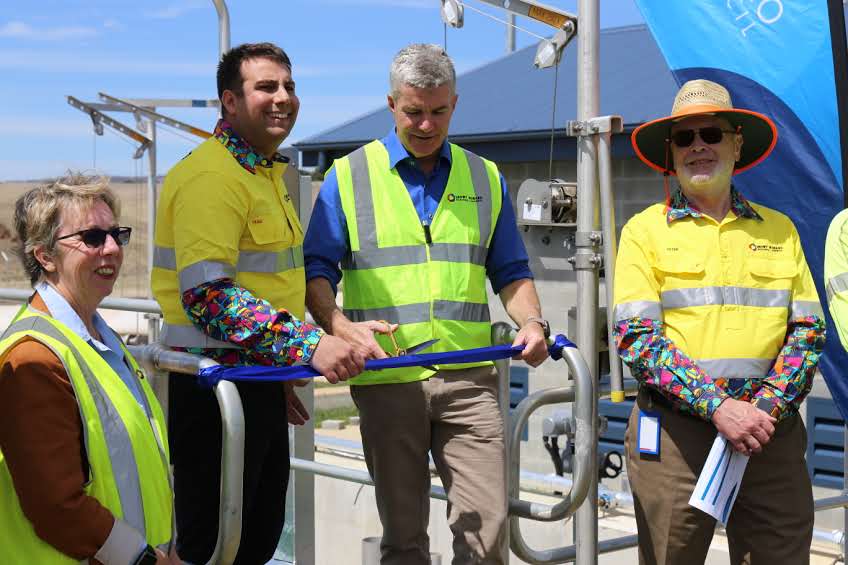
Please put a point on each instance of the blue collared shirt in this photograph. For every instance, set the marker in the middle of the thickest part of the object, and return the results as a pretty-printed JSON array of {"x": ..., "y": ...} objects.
[
  {"x": 109, "y": 349},
  {"x": 326, "y": 240}
]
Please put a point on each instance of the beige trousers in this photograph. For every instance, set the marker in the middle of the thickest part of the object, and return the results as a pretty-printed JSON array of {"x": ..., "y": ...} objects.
[
  {"x": 455, "y": 416},
  {"x": 772, "y": 520}
]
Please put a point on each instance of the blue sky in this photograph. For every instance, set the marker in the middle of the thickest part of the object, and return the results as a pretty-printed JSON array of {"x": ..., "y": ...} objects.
[{"x": 340, "y": 51}]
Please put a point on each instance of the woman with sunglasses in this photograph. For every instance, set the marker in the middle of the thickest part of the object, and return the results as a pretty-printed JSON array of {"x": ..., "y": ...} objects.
[{"x": 84, "y": 472}]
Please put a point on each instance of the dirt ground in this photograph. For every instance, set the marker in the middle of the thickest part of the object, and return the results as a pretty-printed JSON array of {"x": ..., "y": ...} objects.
[{"x": 132, "y": 282}]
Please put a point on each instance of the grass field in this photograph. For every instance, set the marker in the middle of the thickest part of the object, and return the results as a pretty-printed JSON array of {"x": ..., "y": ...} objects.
[{"x": 132, "y": 282}]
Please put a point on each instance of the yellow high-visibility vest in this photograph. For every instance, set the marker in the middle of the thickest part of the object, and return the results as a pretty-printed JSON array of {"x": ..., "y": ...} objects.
[
  {"x": 217, "y": 220},
  {"x": 431, "y": 280},
  {"x": 127, "y": 451}
]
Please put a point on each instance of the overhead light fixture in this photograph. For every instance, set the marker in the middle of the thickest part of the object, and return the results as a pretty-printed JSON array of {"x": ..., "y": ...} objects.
[{"x": 453, "y": 13}]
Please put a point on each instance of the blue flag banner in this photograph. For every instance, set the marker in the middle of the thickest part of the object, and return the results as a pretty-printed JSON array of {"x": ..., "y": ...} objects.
[{"x": 775, "y": 57}]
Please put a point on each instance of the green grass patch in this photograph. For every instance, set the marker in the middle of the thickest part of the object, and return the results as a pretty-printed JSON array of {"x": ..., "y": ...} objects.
[{"x": 342, "y": 413}]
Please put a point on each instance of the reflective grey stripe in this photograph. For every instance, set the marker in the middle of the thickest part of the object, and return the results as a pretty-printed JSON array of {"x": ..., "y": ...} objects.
[
  {"x": 638, "y": 309},
  {"x": 461, "y": 311},
  {"x": 121, "y": 457},
  {"x": 248, "y": 262},
  {"x": 204, "y": 271},
  {"x": 165, "y": 258},
  {"x": 736, "y": 368},
  {"x": 270, "y": 261},
  {"x": 366, "y": 223},
  {"x": 719, "y": 295},
  {"x": 459, "y": 253},
  {"x": 836, "y": 284},
  {"x": 804, "y": 308},
  {"x": 189, "y": 336},
  {"x": 416, "y": 313},
  {"x": 406, "y": 314},
  {"x": 385, "y": 257},
  {"x": 480, "y": 180}
]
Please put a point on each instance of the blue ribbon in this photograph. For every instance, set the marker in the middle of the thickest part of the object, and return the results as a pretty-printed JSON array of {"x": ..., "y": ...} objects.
[{"x": 210, "y": 376}]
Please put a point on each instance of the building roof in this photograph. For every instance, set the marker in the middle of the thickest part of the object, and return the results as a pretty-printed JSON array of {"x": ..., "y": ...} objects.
[{"x": 510, "y": 98}]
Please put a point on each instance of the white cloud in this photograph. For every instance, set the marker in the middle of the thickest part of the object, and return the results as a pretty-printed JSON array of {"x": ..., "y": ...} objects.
[
  {"x": 175, "y": 10},
  {"x": 21, "y": 30},
  {"x": 430, "y": 4},
  {"x": 114, "y": 25},
  {"x": 64, "y": 62}
]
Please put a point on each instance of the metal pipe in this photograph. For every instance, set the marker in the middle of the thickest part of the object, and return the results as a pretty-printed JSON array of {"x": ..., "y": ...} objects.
[
  {"x": 352, "y": 475},
  {"x": 510, "y": 32},
  {"x": 126, "y": 304},
  {"x": 232, "y": 443},
  {"x": 223, "y": 26},
  {"x": 588, "y": 95},
  {"x": 608, "y": 224},
  {"x": 584, "y": 476},
  {"x": 151, "y": 198}
]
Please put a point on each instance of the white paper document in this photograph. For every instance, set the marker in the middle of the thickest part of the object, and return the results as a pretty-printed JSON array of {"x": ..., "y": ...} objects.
[{"x": 719, "y": 482}]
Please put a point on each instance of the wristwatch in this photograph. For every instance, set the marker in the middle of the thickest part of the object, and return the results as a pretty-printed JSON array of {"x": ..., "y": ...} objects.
[
  {"x": 542, "y": 322},
  {"x": 147, "y": 557}
]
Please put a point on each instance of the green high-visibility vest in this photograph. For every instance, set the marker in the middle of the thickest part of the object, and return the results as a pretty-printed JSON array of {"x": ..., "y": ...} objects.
[
  {"x": 127, "y": 451},
  {"x": 429, "y": 279}
]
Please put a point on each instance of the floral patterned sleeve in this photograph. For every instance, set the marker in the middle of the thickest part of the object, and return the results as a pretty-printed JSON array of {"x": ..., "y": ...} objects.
[
  {"x": 225, "y": 311},
  {"x": 656, "y": 361},
  {"x": 791, "y": 377}
]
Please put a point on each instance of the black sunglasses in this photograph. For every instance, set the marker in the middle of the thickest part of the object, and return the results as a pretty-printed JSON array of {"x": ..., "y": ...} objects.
[
  {"x": 95, "y": 237},
  {"x": 710, "y": 135}
]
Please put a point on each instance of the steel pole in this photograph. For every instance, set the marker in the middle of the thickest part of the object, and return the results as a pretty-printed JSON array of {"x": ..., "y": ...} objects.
[
  {"x": 510, "y": 32},
  {"x": 588, "y": 88},
  {"x": 151, "y": 198},
  {"x": 223, "y": 26},
  {"x": 608, "y": 223}
]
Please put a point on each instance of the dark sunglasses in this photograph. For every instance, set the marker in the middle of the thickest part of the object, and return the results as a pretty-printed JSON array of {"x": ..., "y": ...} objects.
[
  {"x": 710, "y": 135},
  {"x": 96, "y": 237}
]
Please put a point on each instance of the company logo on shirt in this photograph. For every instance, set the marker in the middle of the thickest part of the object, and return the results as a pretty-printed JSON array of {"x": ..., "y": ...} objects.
[
  {"x": 765, "y": 248},
  {"x": 463, "y": 198}
]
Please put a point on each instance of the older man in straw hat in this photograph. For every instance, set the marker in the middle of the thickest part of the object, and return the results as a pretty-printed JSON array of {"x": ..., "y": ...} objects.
[{"x": 717, "y": 316}]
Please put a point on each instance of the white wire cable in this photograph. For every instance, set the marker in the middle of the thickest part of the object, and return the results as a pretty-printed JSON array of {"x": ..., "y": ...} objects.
[{"x": 505, "y": 22}]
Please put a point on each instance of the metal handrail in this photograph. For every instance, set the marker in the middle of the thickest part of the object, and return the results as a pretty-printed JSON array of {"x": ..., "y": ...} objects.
[
  {"x": 232, "y": 442},
  {"x": 145, "y": 306},
  {"x": 583, "y": 394}
]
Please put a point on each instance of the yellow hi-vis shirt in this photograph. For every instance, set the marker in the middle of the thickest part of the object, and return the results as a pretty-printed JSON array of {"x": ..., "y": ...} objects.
[
  {"x": 724, "y": 290},
  {"x": 215, "y": 219},
  {"x": 836, "y": 273}
]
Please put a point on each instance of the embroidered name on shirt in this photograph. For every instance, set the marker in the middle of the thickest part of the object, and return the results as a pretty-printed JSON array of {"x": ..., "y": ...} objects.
[
  {"x": 463, "y": 198},
  {"x": 257, "y": 221}
]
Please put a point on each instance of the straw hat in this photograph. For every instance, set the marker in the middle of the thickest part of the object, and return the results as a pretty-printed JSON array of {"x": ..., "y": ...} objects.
[{"x": 697, "y": 97}]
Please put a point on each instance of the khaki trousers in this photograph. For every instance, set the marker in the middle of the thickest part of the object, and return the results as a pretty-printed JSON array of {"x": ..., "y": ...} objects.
[
  {"x": 772, "y": 520},
  {"x": 455, "y": 416}
]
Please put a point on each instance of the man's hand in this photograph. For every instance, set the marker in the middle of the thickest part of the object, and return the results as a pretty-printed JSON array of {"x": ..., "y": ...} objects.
[
  {"x": 295, "y": 410},
  {"x": 361, "y": 336},
  {"x": 336, "y": 359},
  {"x": 532, "y": 336},
  {"x": 745, "y": 426}
]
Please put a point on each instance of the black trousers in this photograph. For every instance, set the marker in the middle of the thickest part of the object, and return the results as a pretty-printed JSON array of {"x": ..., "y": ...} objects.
[{"x": 194, "y": 428}]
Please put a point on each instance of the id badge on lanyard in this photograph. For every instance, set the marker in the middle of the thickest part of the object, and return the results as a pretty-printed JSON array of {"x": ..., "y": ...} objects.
[{"x": 648, "y": 433}]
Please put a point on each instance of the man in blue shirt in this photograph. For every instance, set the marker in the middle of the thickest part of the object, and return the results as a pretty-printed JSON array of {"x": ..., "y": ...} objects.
[{"x": 423, "y": 271}]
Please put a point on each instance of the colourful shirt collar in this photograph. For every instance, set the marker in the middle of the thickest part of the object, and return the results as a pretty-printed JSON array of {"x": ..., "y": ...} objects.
[
  {"x": 241, "y": 149},
  {"x": 680, "y": 207},
  {"x": 397, "y": 152}
]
